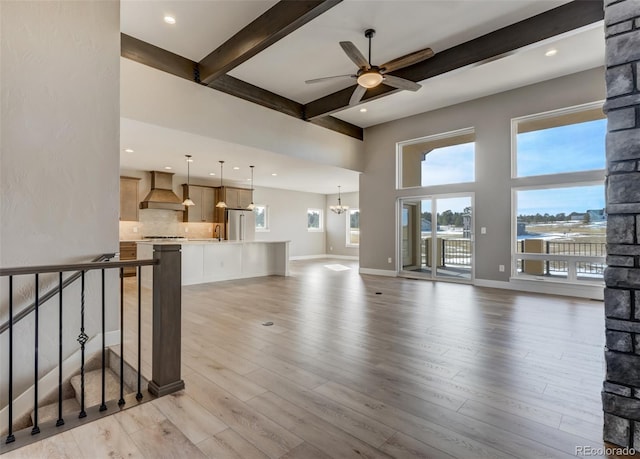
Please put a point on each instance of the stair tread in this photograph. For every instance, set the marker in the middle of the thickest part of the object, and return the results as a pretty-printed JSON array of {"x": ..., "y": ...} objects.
[
  {"x": 50, "y": 412},
  {"x": 93, "y": 387}
]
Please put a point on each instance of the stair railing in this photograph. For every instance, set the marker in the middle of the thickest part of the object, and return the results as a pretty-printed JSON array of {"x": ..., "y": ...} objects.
[
  {"x": 166, "y": 326},
  {"x": 51, "y": 293}
]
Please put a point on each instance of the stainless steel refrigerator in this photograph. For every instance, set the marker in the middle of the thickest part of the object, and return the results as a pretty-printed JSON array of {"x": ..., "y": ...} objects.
[{"x": 241, "y": 225}]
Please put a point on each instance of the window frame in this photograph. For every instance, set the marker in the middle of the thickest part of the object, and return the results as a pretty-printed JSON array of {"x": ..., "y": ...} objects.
[
  {"x": 348, "y": 242},
  {"x": 544, "y": 115},
  {"x": 320, "y": 228},
  {"x": 266, "y": 228},
  {"x": 433, "y": 138},
  {"x": 593, "y": 177}
]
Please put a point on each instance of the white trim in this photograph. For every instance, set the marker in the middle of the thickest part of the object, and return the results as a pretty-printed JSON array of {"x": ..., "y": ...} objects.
[
  {"x": 23, "y": 403},
  {"x": 592, "y": 292},
  {"x": 378, "y": 272}
]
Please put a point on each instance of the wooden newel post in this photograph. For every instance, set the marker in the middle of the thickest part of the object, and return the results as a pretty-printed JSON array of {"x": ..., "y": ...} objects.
[{"x": 167, "y": 307}]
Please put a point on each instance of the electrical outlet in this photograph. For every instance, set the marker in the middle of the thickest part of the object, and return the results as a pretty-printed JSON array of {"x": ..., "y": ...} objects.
[
  {"x": 135, "y": 229},
  {"x": 330, "y": 248},
  {"x": 210, "y": 229},
  {"x": 389, "y": 260},
  {"x": 501, "y": 268},
  {"x": 483, "y": 230},
  {"x": 186, "y": 230}
]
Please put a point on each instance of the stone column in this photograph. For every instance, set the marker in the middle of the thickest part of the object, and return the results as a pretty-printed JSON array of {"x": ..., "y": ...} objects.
[{"x": 621, "y": 390}]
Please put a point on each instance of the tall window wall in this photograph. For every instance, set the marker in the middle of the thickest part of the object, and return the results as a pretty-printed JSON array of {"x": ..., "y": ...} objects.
[{"x": 559, "y": 217}]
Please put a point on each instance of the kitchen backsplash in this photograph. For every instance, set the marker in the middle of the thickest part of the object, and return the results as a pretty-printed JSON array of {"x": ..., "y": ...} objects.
[{"x": 155, "y": 222}]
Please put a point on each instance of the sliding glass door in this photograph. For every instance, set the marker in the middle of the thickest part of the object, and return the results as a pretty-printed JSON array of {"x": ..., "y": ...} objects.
[{"x": 437, "y": 237}]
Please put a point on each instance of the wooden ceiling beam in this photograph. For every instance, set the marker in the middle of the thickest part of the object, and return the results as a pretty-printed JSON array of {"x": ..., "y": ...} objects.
[
  {"x": 161, "y": 59},
  {"x": 562, "y": 19},
  {"x": 274, "y": 24}
]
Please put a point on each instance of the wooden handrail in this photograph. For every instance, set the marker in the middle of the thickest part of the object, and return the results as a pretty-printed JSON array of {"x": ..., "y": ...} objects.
[
  {"x": 74, "y": 267},
  {"x": 97, "y": 263}
]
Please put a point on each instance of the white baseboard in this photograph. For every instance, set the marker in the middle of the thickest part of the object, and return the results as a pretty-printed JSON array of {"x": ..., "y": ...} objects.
[
  {"x": 378, "y": 272},
  {"x": 592, "y": 292},
  {"x": 23, "y": 404},
  {"x": 326, "y": 255}
]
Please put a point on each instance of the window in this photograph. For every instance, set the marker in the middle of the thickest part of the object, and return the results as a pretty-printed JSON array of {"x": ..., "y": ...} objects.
[
  {"x": 262, "y": 218},
  {"x": 442, "y": 159},
  {"x": 314, "y": 219},
  {"x": 353, "y": 228},
  {"x": 559, "y": 213},
  {"x": 569, "y": 141}
]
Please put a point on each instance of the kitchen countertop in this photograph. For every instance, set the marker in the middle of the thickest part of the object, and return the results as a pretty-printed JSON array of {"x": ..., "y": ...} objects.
[{"x": 205, "y": 241}]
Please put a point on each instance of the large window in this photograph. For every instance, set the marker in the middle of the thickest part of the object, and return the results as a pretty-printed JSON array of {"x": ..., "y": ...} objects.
[
  {"x": 262, "y": 218},
  {"x": 314, "y": 219},
  {"x": 562, "y": 143},
  {"x": 442, "y": 159},
  {"x": 559, "y": 215},
  {"x": 353, "y": 228}
]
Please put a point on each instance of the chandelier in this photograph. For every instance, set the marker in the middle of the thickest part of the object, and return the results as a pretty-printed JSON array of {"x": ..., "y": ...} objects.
[{"x": 339, "y": 209}]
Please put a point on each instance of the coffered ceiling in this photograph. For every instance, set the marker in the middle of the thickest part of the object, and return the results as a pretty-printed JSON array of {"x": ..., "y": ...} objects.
[{"x": 469, "y": 61}]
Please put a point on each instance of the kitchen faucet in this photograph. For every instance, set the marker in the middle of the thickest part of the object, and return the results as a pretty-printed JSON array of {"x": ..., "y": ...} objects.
[{"x": 216, "y": 232}]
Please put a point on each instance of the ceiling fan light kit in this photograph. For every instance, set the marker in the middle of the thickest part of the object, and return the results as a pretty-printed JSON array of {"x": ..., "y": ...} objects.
[{"x": 369, "y": 76}]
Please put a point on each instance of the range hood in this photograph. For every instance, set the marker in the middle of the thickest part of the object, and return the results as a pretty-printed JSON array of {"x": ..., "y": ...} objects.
[{"x": 161, "y": 195}]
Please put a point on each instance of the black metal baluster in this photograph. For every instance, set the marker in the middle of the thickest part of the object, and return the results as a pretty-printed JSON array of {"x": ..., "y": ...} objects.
[
  {"x": 139, "y": 394},
  {"x": 10, "y": 437},
  {"x": 103, "y": 405},
  {"x": 60, "y": 420},
  {"x": 36, "y": 429},
  {"x": 121, "y": 401},
  {"x": 82, "y": 339}
]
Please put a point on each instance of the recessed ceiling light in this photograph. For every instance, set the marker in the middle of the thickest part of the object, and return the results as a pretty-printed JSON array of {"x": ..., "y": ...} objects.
[
  {"x": 169, "y": 19},
  {"x": 363, "y": 110},
  {"x": 551, "y": 52},
  {"x": 128, "y": 150},
  {"x": 236, "y": 168},
  {"x": 274, "y": 174},
  {"x": 212, "y": 173},
  {"x": 168, "y": 168}
]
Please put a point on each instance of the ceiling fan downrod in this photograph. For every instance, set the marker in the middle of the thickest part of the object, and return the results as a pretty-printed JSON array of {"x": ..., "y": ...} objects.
[{"x": 369, "y": 33}]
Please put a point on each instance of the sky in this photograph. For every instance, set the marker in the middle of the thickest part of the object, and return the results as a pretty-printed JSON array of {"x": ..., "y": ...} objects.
[{"x": 571, "y": 148}]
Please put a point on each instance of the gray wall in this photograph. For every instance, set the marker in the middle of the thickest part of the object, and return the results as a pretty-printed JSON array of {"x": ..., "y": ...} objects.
[
  {"x": 288, "y": 220},
  {"x": 59, "y": 153},
  {"x": 337, "y": 225},
  {"x": 491, "y": 117}
]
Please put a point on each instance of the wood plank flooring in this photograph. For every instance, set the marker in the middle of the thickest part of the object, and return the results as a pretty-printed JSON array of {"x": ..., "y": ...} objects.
[{"x": 363, "y": 366}]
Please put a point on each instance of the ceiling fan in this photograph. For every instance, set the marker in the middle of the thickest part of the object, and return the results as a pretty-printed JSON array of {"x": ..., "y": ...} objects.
[{"x": 369, "y": 76}]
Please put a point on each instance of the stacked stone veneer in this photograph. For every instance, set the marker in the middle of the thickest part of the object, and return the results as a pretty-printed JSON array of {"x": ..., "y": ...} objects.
[{"x": 621, "y": 391}]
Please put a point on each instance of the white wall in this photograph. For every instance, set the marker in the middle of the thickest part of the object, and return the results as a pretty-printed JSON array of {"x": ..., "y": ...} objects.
[
  {"x": 491, "y": 117},
  {"x": 193, "y": 108},
  {"x": 288, "y": 220},
  {"x": 59, "y": 152},
  {"x": 337, "y": 225}
]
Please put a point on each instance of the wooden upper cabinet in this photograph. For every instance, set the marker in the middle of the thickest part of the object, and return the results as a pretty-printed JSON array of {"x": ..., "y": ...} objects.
[
  {"x": 203, "y": 198},
  {"x": 236, "y": 198},
  {"x": 129, "y": 198},
  {"x": 244, "y": 198}
]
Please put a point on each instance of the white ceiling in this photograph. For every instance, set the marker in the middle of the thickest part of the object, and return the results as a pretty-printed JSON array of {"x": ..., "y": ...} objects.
[{"x": 312, "y": 51}]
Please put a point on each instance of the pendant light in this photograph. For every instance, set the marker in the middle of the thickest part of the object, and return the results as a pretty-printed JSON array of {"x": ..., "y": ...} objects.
[
  {"x": 252, "y": 205},
  {"x": 188, "y": 202},
  {"x": 339, "y": 209},
  {"x": 221, "y": 204}
]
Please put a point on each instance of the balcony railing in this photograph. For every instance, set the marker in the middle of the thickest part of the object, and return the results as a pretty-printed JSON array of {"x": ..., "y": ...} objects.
[{"x": 577, "y": 260}]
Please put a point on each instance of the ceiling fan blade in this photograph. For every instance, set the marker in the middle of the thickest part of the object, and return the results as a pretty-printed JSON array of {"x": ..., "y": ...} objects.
[
  {"x": 400, "y": 83},
  {"x": 357, "y": 95},
  {"x": 354, "y": 54},
  {"x": 407, "y": 60},
  {"x": 320, "y": 80}
]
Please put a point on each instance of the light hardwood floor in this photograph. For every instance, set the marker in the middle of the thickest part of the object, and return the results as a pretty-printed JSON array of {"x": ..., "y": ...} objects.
[{"x": 365, "y": 366}]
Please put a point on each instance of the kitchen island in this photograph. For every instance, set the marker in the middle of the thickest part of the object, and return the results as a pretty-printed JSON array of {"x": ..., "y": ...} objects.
[{"x": 211, "y": 260}]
